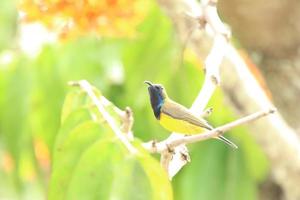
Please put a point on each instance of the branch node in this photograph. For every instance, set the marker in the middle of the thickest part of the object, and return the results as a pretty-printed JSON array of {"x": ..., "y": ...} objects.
[
  {"x": 127, "y": 119},
  {"x": 169, "y": 149},
  {"x": 206, "y": 113},
  {"x": 185, "y": 156},
  {"x": 214, "y": 80},
  {"x": 226, "y": 33},
  {"x": 272, "y": 110},
  {"x": 219, "y": 132},
  {"x": 153, "y": 143},
  {"x": 201, "y": 21}
]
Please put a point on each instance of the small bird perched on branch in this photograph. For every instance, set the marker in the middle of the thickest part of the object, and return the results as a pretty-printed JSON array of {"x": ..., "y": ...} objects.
[{"x": 175, "y": 117}]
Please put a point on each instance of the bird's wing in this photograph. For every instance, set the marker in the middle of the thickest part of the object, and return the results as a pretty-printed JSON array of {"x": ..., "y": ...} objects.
[{"x": 178, "y": 111}]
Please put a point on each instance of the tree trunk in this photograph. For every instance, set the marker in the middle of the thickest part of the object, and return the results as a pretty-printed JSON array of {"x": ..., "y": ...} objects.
[{"x": 270, "y": 31}]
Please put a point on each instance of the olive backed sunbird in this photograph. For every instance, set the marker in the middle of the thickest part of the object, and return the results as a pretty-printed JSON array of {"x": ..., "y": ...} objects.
[{"x": 175, "y": 117}]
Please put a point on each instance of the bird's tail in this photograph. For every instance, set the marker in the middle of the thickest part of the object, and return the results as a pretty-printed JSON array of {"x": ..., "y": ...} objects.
[{"x": 220, "y": 137}]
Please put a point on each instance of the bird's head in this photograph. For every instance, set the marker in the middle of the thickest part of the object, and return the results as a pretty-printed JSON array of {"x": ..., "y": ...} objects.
[
  {"x": 157, "y": 97},
  {"x": 156, "y": 90}
]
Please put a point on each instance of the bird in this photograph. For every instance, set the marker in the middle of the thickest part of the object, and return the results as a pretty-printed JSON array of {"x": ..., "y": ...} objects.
[{"x": 175, "y": 117}]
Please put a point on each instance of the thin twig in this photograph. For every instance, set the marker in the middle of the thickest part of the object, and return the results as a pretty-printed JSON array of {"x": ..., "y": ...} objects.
[
  {"x": 207, "y": 13},
  {"x": 220, "y": 130},
  {"x": 85, "y": 86},
  {"x": 170, "y": 145}
]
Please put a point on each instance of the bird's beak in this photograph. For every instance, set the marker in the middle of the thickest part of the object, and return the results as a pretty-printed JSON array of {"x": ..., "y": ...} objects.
[{"x": 148, "y": 82}]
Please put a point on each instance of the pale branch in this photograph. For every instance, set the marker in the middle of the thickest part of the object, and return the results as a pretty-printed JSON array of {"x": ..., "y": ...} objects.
[
  {"x": 279, "y": 141},
  {"x": 169, "y": 144},
  {"x": 178, "y": 154},
  {"x": 260, "y": 98},
  {"x": 126, "y": 117},
  {"x": 220, "y": 130},
  {"x": 213, "y": 21},
  {"x": 207, "y": 16},
  {"x": 212, "y": 75},
  {"x": 214, "y": 59},
  {"x": 86, "y": 87}
]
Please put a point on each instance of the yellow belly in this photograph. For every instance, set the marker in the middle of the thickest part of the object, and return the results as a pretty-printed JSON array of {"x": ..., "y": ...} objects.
[{"x": 179, "y": 126}]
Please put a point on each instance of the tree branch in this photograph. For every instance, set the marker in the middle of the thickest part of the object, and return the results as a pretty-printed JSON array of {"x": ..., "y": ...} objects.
[
  {"x": 86, "y": 87},
  {"x": 170, "y": 145},
  {"x": 206, "y": 15},
  {"x": 278, "y": 140}
]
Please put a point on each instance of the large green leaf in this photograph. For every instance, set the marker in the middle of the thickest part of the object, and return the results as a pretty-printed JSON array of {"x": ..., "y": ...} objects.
[
  {"x": 115, "y": 174},
  {"x": 87, "y": 151}
]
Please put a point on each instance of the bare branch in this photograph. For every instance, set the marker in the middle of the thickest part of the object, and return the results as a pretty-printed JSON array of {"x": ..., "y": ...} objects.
[
  {"x": 170, "y": 144},
  {"x": 212, "y": 76},
  {"x": 220, "y": 130},
  {"x": 86, "y": 87},
  {"x": 206, "y": 15},
  {"x": 278, "y": 140}
]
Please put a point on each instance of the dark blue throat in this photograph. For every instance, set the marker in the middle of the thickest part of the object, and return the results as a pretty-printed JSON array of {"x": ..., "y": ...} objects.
[{"x": 157, "y": 101}]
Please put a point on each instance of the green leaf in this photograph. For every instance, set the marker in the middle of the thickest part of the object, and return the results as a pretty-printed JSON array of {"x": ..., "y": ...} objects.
[
  {"x": 87, "y": 151},
  {"x": 73, "y": 101},
  {"x": 66, "y": 156},
  {"x": 117, "y": 175}
]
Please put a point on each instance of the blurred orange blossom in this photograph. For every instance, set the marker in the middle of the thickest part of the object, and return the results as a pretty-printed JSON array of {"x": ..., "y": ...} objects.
[{"x": 69, "y": 18}]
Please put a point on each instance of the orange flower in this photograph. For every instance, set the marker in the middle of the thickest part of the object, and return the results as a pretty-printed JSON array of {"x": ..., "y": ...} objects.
[{"x": 114, "y": 18}]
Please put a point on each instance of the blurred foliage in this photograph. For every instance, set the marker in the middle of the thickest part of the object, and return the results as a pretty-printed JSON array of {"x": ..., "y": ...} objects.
[
  {"x": 75, "y": 156},
  {"x": 8, "y": 23}
]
